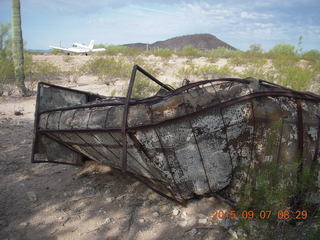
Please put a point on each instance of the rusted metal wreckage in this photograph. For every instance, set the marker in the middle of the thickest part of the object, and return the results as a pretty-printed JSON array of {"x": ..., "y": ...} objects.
[{"x": 194, "y": 140}]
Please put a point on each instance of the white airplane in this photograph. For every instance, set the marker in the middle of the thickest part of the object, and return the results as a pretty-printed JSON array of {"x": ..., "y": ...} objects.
[{"x": 80, "y": 48}]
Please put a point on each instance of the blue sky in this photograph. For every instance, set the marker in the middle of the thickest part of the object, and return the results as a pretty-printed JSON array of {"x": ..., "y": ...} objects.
[{"x": 239, "y": 23}]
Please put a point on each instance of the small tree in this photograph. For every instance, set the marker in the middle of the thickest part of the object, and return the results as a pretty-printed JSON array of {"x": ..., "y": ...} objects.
[
  {"x": 17, "y": 47},
  {"x": 256, "y": 48},
  {"x": 4, "y": 39},
  {"x": 283, "y": 48}
]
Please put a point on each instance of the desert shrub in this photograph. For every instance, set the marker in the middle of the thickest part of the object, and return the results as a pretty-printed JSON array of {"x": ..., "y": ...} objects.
[
  {"x": 316, "y": 67},
  {"x": 282, "y": 60},
  {"x": 114, "y": 50},
  {"x": 113, "y": 93},
  {"x": 67, "y": 59},
  {"x": 107, "y": 69},
  {"x": 190, "y": 51},
  {"x": 311, "y": 55},
  {"x": 99, "y": 45},
  {"x": 6, "y": 71},
  {"x": 248, "y": 57},
  {"x": 39, "y": 71},
  {"x": 256, "y": 48},
  {"x": 298, "y": 78},
  {"x": 207, "y": 71},
  {"x": 274, "y": 186},
  {"x": 222, "y": 52},
  {"x": 259, "y": 72},
  {"x": 283, "y": 49},
  {"x": 73, "y": 74},
  {"x": 204, "y": 72},
  {"x": 45, "y": 71},
  {"x": 6, "y": 62},
  {"x": 225, "y": 71},
  {"x": 144, "y": 87},
  {"x": 188, "y": 71},
  {"x": 163, "y": 52},
  {"x": 57, "y": 51}
]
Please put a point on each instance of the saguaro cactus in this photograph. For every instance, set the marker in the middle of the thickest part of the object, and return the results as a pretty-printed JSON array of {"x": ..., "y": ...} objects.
[{"x": 17, "y": 46}]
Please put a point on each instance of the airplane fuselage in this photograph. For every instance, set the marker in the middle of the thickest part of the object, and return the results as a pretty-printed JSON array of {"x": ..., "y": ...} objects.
[{"x": 80, "y": 48}]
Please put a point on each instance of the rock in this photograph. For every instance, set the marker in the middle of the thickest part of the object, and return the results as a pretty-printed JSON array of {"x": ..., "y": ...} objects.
[
  {"x": 156, "y": 214},
  {"x": 183, "y": 223},
  {"x": 233, "y": 233},
  {"x": 107, "y": 192},
  {"x": 23, "y": 224},
  {"x": 203, "y": 221},
  {"x": 141, "y": 220},
  {"x": 184, "y": 214},
  {"x": 107, "y": 221},
  {"x": 120, "y": 197},
  {"x": 176, "y": 211},
  {"x": 192, "y": 232},
  {"x": 32, "y": 196},
  {"x": 102, "y": 211},
  {"x": 200, "y": 215},
  {"x": 146, "y": 204},
  {"x": 18, "y": 112},
  {"x": 109, "y": 199}
]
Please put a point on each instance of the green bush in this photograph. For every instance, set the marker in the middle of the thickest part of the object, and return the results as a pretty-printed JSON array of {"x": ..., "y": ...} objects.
[
  {"x": 256, "y": 48},
  {"x": 190, "y": 51},
  {"x": 40, "y": 71},
  {"x": 57, "y": 51},
  {"x": 222, "y": 52},
  {"x": 144, "y": 87},
  {"x": 163, "y": 52},
  {"x": 107, "y": 69},
  {"x": 188, "y": 71},
  {"x": 204, "y": 72},
  {"x": 283, "y": 49},
  {"x": 298, "y": 78},
  {"x": 249, "y": 57},
  {"x": 99, "y": 45},
  {"x": 6, "y": 62},
  {"x": 6, "y": 71},
  {"x": 114, "y": 50},
  {"x": 311, "y": 55},
  {"x": 282, "y": 61}
]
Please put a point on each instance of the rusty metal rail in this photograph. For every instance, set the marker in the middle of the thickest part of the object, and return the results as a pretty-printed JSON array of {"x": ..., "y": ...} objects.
[
  {"x": 126, "y": 109},
  {"x": 276, "y": 91}
]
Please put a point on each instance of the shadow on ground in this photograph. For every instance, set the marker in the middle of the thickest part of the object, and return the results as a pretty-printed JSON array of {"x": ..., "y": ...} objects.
[{"x": 49, "y": 201}]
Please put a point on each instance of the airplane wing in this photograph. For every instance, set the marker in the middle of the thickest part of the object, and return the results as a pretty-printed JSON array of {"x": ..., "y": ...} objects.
[
  {"x": 72, "y": 50},
  {"x": 59, "y": 48},
  {"x": 98, "y": 49}
]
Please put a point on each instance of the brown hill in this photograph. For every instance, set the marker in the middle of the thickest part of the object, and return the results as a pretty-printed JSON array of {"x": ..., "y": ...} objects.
[{"x": 201, "y": 41}]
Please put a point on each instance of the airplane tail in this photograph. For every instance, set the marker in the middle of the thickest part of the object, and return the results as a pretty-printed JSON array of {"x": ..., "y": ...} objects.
[{"x": 91, "y": 44}]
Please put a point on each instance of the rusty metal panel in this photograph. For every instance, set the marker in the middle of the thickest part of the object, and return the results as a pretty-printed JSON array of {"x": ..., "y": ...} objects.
[{"x": 199, "y": 139}]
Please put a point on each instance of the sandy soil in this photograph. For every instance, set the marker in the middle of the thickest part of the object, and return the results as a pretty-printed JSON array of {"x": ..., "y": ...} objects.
[{"x": 49, "y": 201}]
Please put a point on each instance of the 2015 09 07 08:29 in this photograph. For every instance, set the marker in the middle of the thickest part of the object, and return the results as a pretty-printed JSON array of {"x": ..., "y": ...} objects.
[{"x": 261, "y": 214}]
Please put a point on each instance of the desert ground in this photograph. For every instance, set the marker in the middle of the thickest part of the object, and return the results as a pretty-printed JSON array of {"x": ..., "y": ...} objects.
[{"x": 50, "y": 201}]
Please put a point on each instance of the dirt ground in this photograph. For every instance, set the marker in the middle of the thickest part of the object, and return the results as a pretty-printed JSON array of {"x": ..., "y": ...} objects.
[{"x": 50, "y": 201}]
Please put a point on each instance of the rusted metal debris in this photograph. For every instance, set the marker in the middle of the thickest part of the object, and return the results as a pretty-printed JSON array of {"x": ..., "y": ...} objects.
[{"x": 194, "y": 140}]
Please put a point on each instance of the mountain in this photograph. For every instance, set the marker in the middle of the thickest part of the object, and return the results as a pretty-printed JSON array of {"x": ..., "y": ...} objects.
[{"x": 201, "y": 41}]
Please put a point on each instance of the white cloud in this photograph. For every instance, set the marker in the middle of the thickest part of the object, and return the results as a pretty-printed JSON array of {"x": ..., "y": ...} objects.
[
  {"x": 252, "y": 15},
  {"x": 125, "y": 21}
]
